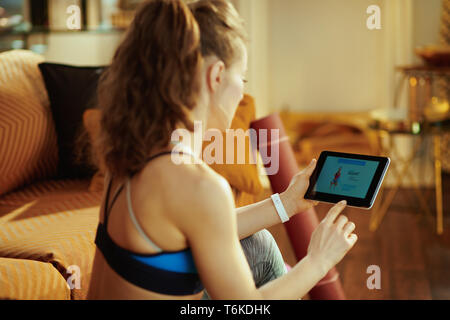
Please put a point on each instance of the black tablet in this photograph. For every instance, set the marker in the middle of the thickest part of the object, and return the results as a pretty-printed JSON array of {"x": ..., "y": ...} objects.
[{"x": 345, "y": 176}]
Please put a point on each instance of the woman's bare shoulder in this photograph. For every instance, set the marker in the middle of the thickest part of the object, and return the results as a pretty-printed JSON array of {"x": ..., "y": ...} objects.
[
  {"x": 204, "y": 201},
  {"x": 189, "y": 187}
]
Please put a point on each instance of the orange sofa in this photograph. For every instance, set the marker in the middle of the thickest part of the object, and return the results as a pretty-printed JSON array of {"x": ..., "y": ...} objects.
[{"x": 47, "y": 226}]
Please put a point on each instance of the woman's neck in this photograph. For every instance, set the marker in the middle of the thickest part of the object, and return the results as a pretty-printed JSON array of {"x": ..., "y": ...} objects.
[
  {"x": 188, "y": 141},
  {"x": 199, "y": 116}
]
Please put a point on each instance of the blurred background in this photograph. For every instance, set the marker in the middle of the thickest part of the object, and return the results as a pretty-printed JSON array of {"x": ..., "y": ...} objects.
[
  {"x": 338, "y": 85},
  {"x": 304, "y": 56}
]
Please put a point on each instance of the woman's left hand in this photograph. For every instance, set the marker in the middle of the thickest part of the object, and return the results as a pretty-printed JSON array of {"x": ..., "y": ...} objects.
[{"x": 293, "y": 197}]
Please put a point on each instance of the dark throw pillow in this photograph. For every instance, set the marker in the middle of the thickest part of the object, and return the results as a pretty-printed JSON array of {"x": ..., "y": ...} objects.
[{"x": 71, "y": 91}]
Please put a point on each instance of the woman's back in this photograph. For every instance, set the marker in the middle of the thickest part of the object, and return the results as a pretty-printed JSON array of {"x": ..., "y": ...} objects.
[{"x": 154, "y": 194}]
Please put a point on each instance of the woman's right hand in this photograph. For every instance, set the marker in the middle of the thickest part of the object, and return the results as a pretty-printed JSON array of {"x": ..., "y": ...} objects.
[{"x": 332, "y": 239}]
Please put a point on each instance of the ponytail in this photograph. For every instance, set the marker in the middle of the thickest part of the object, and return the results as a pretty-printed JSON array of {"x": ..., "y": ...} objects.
[{"x": 151, "y": 85}]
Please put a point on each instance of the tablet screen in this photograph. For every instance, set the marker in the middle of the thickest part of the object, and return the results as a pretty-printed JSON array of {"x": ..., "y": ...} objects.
[{"x": 346, "y": 177}]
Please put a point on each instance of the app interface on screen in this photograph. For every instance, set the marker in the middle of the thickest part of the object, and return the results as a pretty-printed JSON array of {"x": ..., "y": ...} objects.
[{"x": 347, "y": 177}]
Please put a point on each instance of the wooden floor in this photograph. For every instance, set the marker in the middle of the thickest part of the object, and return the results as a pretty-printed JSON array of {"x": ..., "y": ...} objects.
[{"x": 414, "y": 261}]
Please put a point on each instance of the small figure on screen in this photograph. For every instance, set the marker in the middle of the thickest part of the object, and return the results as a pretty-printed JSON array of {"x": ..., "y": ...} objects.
[{"x": 337, "y": 175}]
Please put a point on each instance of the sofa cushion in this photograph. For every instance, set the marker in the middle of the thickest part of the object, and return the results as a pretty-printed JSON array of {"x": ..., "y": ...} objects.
[
  {"x": 28, "y": 147},
  {"x": 53, "y": 222},
  {"x": 71, "y": 91},
  {"x": 31, "y": 280},
  {"x": 245, "y": 176}
]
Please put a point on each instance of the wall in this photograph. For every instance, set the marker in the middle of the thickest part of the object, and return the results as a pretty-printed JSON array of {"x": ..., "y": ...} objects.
[
  {"x": 84, "y": 48},
  {"x": 427, "y": 16},
  {"x": 321, "y": 56},
  {"x": 308, "y": 55},
  {"x": 256, "y": 16},
  {"x": 91, "y": 48}
]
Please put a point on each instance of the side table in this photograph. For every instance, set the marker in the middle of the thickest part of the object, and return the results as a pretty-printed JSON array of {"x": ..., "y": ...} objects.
[{"x": 401, "y": 166}]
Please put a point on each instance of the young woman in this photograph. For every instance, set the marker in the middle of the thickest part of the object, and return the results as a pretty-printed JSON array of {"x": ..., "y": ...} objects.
[{"x": 170, "y": 231}]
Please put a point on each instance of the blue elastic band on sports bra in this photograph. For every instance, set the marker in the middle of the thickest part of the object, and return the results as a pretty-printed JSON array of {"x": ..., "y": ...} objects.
[
  {"x": 143, "y": 275},
  {"x": 171, "y": 273},
  {"x": 181, "y": 261}
]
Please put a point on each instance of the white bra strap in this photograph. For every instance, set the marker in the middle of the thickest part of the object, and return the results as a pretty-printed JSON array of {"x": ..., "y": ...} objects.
[
  {"x": 180, "y": 147},
  {"x": 133, "y": 218}
]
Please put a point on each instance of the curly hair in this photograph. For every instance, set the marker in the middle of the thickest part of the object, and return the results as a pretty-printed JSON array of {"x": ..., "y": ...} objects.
[
  {"x": 221, "y": 29},
  {"x": 154, "y": 80}
]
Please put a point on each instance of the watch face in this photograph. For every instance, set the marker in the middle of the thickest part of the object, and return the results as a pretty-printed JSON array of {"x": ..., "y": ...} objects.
[{"x": 351, "y": 177}]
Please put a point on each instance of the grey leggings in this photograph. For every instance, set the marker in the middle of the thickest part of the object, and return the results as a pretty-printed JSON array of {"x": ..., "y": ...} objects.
[{"x": 264, "y": 258}]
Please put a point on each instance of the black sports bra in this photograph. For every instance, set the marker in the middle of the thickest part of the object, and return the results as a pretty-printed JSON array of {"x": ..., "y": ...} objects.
[{"x": 171, "y": 273}]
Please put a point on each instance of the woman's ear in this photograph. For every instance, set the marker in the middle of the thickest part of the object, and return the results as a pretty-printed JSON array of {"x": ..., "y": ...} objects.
[{"x": 215, "y": 75}]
